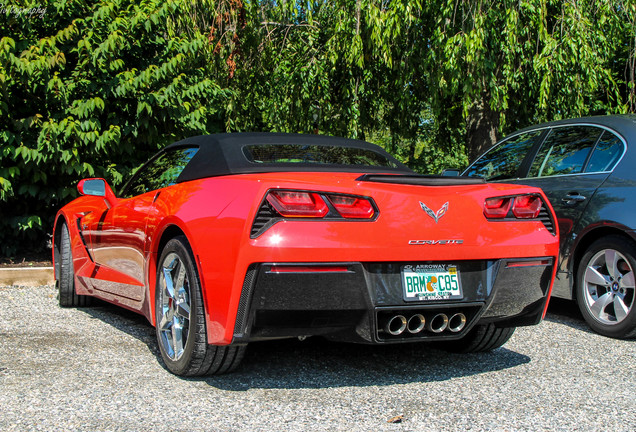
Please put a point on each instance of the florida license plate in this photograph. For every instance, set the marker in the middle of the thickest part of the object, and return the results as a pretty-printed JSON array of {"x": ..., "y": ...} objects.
[{"x": 431, "y": 282}]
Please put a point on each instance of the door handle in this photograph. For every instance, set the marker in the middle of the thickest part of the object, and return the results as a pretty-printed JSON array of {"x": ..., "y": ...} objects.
[{"x": 573, "y": 198}]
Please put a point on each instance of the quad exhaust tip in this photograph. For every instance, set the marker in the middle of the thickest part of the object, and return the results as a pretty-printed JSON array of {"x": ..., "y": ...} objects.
[
  {"x": 396, "y": 325},
  {"x": 457, "y": 322},
  {"x": 416, "y": 323},
  {"x": 438, "y": 324}
]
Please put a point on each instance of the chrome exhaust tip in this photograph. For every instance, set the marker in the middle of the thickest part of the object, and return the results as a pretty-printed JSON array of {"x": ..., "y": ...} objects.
[
  {"x": 396, "y": 325},
  {"x": 438, "y": 324},
  {"x": 457, "y": 322},
  {"x": 416, "y": 323}
]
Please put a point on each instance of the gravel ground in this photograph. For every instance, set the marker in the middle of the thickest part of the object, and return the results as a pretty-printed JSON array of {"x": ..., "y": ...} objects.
[{"x": 98, "y": 369}]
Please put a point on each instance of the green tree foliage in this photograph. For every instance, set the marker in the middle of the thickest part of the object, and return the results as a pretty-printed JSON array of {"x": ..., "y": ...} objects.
[
  {"x": 356, "y": 65},
  {"x": 91, "y": 89},
  {"x": 432, "y": 81},
  {"x": 502, "y": 65}
]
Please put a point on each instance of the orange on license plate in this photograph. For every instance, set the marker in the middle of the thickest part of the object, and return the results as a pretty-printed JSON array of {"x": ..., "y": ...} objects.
[{"x": 430, "y": 282}]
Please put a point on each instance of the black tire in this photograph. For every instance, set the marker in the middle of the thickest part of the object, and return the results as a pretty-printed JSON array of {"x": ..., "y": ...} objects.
[
  {"x": 481, "y": 338},
  {"x": 64, "y": 273},
  {"x": 180, "y": 318},
  {"x": 605, "y": 292}
]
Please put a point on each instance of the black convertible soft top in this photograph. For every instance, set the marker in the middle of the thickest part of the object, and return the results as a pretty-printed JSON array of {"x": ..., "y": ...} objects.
[{"x": 240, "y": 153}]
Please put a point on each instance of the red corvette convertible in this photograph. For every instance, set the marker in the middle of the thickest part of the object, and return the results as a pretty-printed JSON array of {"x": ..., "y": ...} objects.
[{"x": 224, "y": 239}]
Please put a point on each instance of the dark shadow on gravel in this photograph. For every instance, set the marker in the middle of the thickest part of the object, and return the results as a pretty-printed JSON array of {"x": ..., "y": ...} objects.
[
  {"x": 318, "y": 363},
  {"x": 567, "y": 312},
  {"x": 129, "y": 322}
]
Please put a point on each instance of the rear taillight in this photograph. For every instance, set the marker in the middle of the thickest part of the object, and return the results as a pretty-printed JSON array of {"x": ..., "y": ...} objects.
[
  {"x": 317, "y": 205},
  {"x": 298, "y": 204},
  {"x": 497, "y": 208},
  {"x": 526, "y": 206},
  {"x": 515, "y": 207},
  {"x": 351, "y": 207}
]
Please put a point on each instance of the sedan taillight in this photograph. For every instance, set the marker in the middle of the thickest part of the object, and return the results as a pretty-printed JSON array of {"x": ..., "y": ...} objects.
[{"x": 513, "y": 207}]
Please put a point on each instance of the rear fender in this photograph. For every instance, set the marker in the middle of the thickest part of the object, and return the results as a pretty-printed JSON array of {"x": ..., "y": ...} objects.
[{"x": 169, "y": 228}]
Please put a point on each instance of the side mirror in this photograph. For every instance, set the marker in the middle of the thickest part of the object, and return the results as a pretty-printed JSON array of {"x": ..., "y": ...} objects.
[
  {"x": 97, "y": 187},
  {"x": 450, "y": 172}
]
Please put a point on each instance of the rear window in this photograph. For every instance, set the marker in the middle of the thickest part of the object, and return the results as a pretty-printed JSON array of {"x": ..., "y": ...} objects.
[
  {"x": 314, "y": 154},
  {"x": 606, "y": 154},
  {"x": 504, "y": 160}
]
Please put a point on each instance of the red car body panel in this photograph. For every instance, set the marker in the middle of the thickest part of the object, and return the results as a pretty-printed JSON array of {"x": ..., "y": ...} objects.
[{"x": 115, "y": 247}]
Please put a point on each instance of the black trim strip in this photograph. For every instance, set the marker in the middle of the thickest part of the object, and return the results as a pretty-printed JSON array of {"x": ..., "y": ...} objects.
[{"x": 421, "y": 180}]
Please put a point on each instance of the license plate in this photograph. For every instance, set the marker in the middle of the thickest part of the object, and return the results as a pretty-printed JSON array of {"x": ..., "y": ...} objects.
[{"x": 431, "y": 282}]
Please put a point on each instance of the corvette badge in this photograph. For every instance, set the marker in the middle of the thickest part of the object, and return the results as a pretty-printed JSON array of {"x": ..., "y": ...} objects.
[{"x": 441, "y": 212}]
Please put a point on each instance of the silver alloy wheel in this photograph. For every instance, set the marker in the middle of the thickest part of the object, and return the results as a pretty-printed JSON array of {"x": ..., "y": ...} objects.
[
  {"x": 609, "y": 287},
  {"x": 174, "y": 300}
]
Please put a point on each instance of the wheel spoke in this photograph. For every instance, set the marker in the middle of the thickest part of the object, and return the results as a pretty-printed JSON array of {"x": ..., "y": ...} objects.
[
  {"x": 621, "y": 310},
  {"x": 167, "y": 275},
  {"x": 177, "y": 341},
  {"x": 183, "y": 310},
  {"x": 165, "y": 322},
  {"x": 611, "y": 261},
  {"x": 593, "y": 276},
  {"x": 627, "y": 281},
  {"x": 598, "y": 307},
  {"x": 181, "y": 273}
]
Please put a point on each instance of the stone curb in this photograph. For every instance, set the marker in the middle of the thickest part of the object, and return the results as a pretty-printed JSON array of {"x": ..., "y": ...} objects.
[{"x": 27, "y": 276}]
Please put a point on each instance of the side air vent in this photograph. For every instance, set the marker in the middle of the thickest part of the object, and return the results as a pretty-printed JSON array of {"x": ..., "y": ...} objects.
[
  {"x": 546, "y": 220},
  {"x": 265, "y": 216}
]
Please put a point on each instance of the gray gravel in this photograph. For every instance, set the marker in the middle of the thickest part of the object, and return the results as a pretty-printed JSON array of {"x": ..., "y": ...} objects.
[{"x": 98, "y": 369}]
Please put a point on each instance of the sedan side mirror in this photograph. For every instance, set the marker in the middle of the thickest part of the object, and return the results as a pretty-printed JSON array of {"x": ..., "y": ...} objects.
[
  {"x": 450, "y": 172},
  {"x": 97, "y": 187}
]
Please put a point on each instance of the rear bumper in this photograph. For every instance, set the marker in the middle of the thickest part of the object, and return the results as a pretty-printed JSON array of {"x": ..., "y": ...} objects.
[{"x": 357, "y": 302}]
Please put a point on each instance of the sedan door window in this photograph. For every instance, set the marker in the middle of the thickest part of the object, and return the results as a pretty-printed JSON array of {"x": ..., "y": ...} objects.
[{"x": 565, "y": 151}]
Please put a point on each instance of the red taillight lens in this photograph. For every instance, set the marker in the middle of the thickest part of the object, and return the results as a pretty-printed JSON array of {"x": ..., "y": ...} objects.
[
  {"x": 526, "y": 207},
  {"x": 298, "y": 204},
  {"x": 352, "y": 207},
  {"x": 497, "y": 208},
  {"x": 522, "y": 206}
]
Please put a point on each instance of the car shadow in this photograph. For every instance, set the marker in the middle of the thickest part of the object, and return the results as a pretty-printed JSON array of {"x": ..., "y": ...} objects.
[
  {"x": 129, "y": 322},
  {"x": 567, "y": 312},
  {"x": 319, "y": 363}
]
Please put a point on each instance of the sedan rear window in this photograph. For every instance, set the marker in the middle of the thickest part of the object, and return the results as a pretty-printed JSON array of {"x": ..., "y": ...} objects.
[
  {"x": 606, "y": 153},
  {"x": 314, "y": 154}
]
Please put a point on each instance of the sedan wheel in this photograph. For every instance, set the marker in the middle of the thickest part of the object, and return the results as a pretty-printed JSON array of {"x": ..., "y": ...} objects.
[
  {"x": 180, "y": 317},
  {"x": 606, "y": 287}
]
